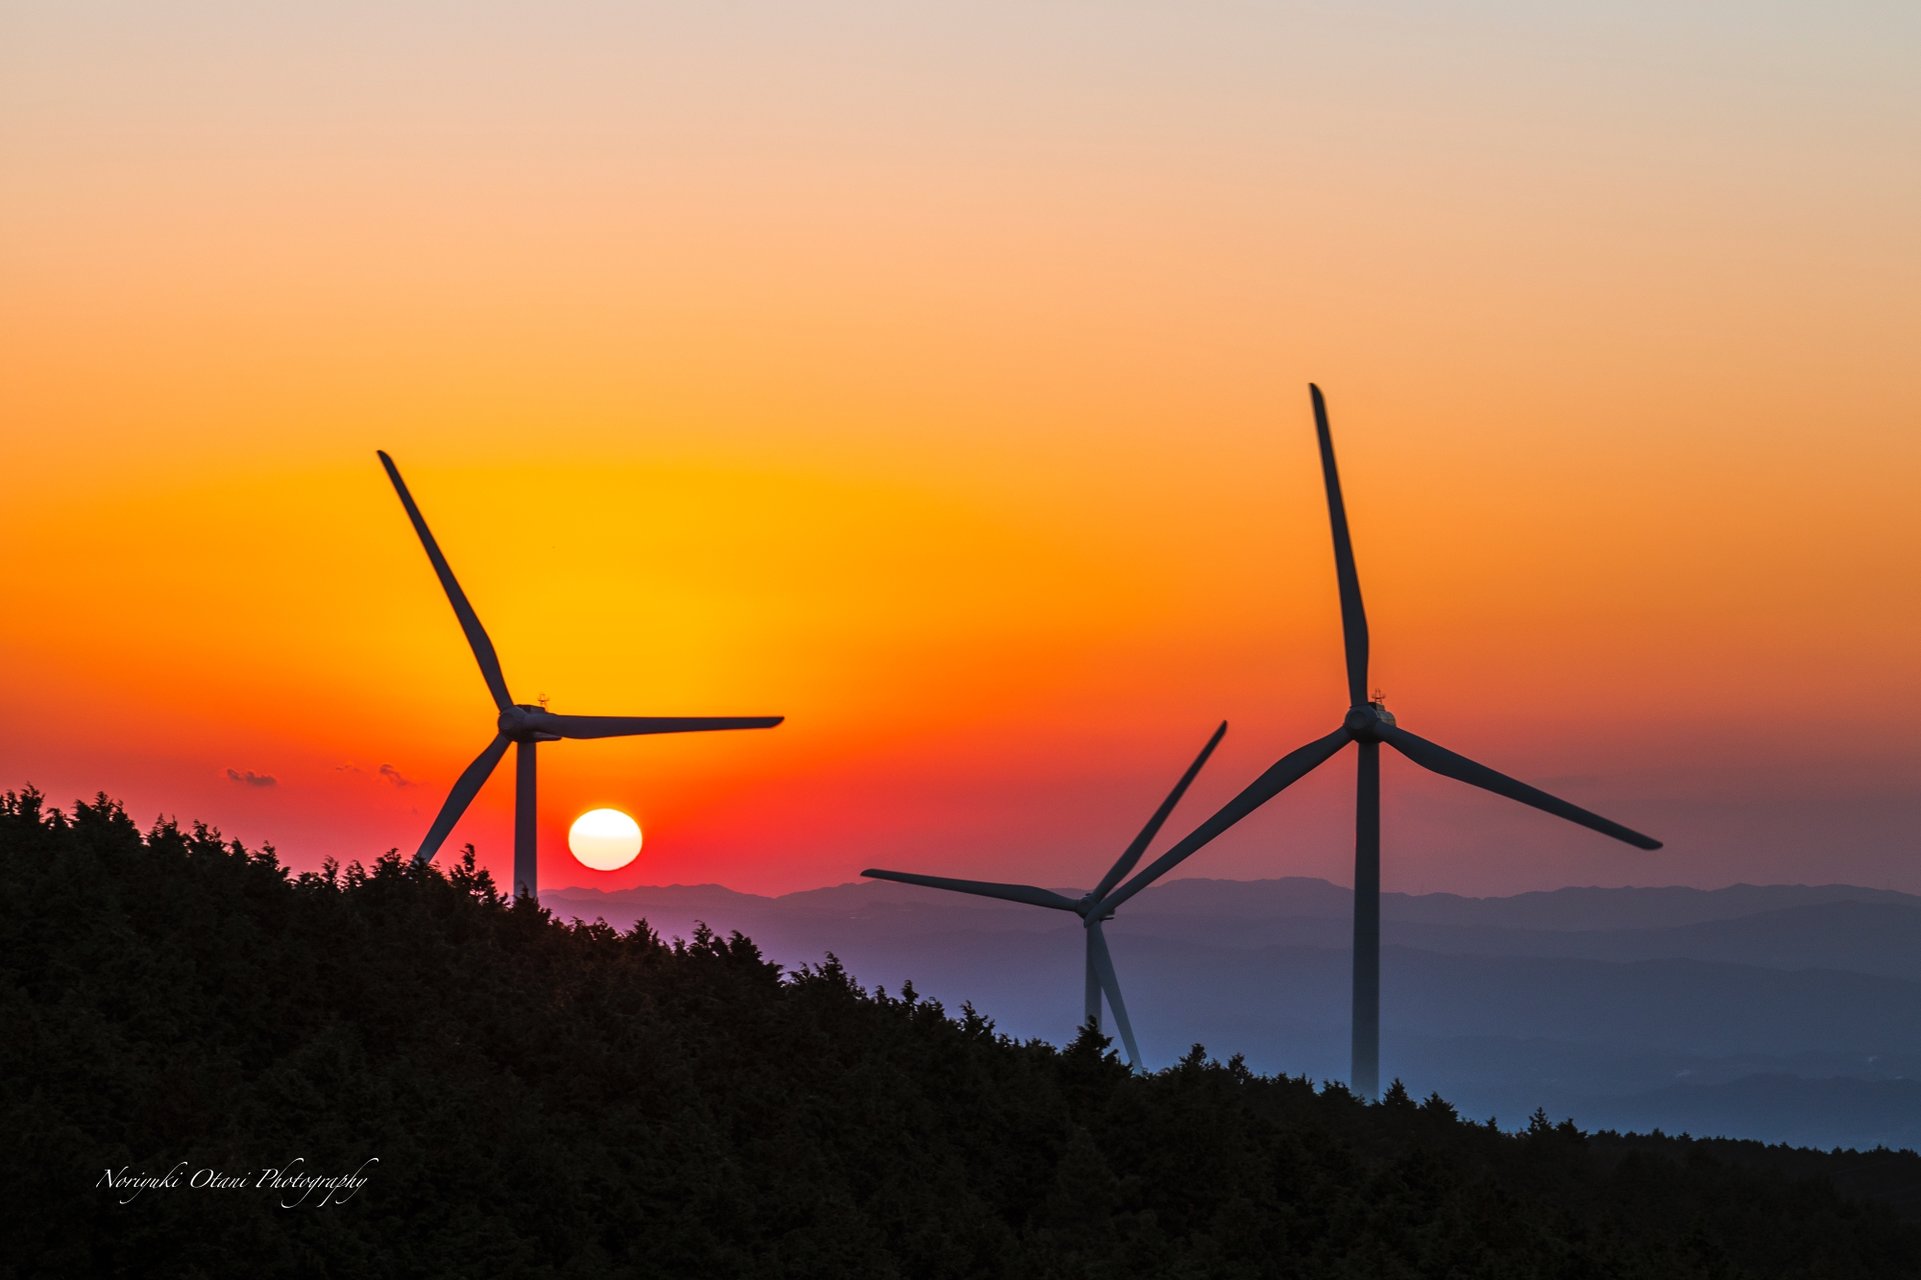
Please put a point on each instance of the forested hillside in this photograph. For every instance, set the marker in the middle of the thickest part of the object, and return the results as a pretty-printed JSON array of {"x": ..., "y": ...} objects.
[{"x": 546, "y": 1099}]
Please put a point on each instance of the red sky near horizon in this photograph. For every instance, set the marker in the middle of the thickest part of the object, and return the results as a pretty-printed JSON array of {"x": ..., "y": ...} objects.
[{"x": 938, "y": 380}]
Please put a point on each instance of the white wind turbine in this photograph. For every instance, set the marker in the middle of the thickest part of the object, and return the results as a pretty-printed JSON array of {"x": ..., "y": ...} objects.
[
  {"x": 1367, "y": 725},
  {"x": 1092, "y": 907},
  {"x": 522, "y": 725}
]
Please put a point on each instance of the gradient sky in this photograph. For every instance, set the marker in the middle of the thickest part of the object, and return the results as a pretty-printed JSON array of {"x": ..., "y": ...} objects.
[{"x": 935, "y": 375}]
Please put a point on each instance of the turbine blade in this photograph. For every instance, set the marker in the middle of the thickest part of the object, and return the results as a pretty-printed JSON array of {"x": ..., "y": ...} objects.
[
  {"x": 1283, "y": 773},
  {"x": 1353, "y": 614},
  {"x": 469, "y": 621},
  {"x": 631, "y": 726},
  {"x": 980, "y": 888},
  {"x": 1439, "y": 759},
  {"x": 461, "y": 796},
  {"x": 1111, "y": 984},
  {"x": 1132, "y": 854}
]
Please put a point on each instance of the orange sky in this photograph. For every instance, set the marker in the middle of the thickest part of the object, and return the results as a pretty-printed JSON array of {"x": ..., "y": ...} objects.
[{"x": 938, "y": 380}]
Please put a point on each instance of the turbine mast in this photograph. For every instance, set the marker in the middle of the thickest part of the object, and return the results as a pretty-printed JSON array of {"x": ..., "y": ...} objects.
[
  {"x": 1093, "y": 982},
  {"x": 526, "y": 846},
  {"x": 1367, "y": 922}
]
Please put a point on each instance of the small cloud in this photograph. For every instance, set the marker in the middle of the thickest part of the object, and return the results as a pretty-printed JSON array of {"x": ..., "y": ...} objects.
[
  {"x": 386, "y": 772},
  {"x": 248, "y": 778}
]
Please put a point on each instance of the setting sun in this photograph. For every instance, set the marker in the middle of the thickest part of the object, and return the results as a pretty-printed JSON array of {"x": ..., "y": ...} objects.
[{"x": 604, "y": 839}]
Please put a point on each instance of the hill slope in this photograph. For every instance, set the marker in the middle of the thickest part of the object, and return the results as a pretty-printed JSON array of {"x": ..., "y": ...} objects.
[{"x": 573, "y": 1101}]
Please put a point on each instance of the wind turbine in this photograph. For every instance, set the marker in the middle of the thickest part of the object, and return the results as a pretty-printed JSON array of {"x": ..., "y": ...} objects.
[
  {"x": 522, "y": 725},
  {"x": 1091, "y": 907},
  {"x": 1367, "y": 724}
]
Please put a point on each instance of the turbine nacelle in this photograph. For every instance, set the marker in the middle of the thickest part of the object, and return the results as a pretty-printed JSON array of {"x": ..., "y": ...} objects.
[
  {"x": 525, "y": 723},
  {"x": 1365, "y": 722}
]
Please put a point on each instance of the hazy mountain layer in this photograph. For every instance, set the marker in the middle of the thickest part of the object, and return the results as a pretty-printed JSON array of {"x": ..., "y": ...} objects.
[{"x": 1747, "y": 1010}]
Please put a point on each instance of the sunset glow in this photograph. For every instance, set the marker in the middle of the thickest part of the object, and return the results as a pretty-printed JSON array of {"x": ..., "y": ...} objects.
[{"x": 946, "y": 394}]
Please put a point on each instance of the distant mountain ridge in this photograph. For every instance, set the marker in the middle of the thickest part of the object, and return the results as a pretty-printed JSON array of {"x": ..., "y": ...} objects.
[
  {"x": 1652, "y": 999},
  {"x": 1842, "y": 927},
  {"x": 1572, "y": 908}
]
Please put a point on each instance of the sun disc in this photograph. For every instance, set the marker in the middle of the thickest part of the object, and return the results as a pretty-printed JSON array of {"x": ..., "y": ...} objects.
[{"x": 604, "y": 839}]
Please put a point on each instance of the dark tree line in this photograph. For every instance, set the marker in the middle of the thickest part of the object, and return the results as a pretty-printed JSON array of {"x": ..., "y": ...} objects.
[{"x": 568, "y": 1100}]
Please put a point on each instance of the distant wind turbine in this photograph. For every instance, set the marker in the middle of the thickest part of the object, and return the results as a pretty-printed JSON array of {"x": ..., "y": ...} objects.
[
  {"x": 1092, "y": 907},
  {"x": 524, "y": 725},
  {"x": 1367, "y": 725}
]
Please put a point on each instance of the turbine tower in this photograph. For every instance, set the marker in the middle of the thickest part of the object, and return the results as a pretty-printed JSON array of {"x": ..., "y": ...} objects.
[
  {"x": 1091, "y": 907},
  {"x": 522, "y": 725},
  {"x": 1367, "y": 725}
]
